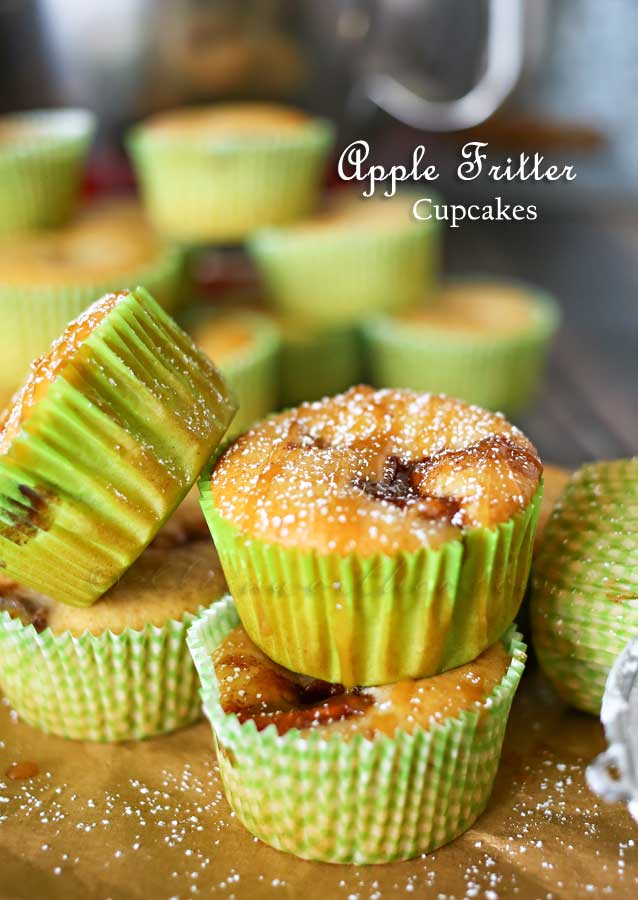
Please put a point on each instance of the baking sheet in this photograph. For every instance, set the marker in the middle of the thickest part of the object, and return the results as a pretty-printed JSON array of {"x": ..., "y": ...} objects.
[{"x": 149, "y": 820}]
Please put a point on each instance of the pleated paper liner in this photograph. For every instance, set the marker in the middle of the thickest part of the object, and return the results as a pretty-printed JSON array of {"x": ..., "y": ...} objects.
[
  {"x": 34, "y": 316},
  {"x": 376, "y": 620},
  {"x": 355, "y": 801},
  {"x": 201, "y": 192},
  {"x": 40, "y": 175},
  {"x": 336, "y": 278},
  {"x": 316, "y": 361},
  {"x": 252, "y": 372},
  {"x": 108, "y": 453},
  {"x": 585, "y": 585},
  {"x": 107, "y": 687},
  {"x": 495, "y": 372}
]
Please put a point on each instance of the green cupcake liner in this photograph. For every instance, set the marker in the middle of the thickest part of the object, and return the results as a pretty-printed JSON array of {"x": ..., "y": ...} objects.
[
  {"x": 379, "y": 800},
  {"x": 499, "y": 373},
  {"x": 108, "y": 687},
  {"x": 584, "y": 601},
  {"x": 199, "y": 192},
  {"x": 253, "y": 374},
  {"x": 108, "y": 453},
  {"x": 40, "y": 177},
  {"x": 339, "y": 277},
  {"x": 317, "y": 362},
  {"x": 34, "y": 316},
  {"x": 375, "y": 620}
]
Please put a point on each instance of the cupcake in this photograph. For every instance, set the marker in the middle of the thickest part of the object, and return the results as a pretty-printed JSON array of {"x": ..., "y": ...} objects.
[
  {"x": 399, "y": 769},
  {"x": 483, "y": 341},
  {"x": 120, "y": 669},
  {"x": 584, "y": 600},
  {"x": 376, "y": 535},
  {"x": 216, "y": 173},
  {"x": 554, "y": 480},
  {"x": 48, "y": 278},
  {"x": 105, "y": 438},
  {"x": 245, "y": 347},
  {"x": 360, "y": 255},
  {"x": 42, "y": 153},
  {"x": 316, "y": 361}
]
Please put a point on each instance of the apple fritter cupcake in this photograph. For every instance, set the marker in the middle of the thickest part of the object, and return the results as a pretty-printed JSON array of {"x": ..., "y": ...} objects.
[
  {"x": 483, "y": 341},
  {"x": 42, "y": 153},
  {"x": 245, "y": 346},
  {"x": 356, "y": 257},
  {"x": 375, "y": 535},
  {"x": 400, "y": 769},
  {"x": 105, "y": 438},
  {"x": 120, "y": 669},
  {"x": 49, "y": 277},
  {"x": 216, "y": 173},
  {"x": 584, "y": 602}
]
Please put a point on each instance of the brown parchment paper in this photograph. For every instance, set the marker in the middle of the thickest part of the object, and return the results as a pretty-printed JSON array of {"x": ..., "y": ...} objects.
[{"x": 149, "y": 820}]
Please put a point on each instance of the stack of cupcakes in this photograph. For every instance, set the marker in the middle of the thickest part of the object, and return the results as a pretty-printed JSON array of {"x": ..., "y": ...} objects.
[
  {"x": 376, "y": 546},
  {"x": 54, "y": 260},
  {"x": 103, "y": 441}
]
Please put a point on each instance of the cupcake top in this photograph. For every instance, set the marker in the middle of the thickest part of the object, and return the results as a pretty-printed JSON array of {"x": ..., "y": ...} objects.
[
  {"x": 46, "y": 368},
  {"x": 170, "y": 579},
  {"x": 228, "y": 337},
  {"x": 375, "y": 472},
  {"x": 225, "y": 121},
  {"x": 255, "y": 688},
  {"x": 23, "y": 130},
  {"x": 476, "y": 309},
  {"x": 105, "y": 240}
]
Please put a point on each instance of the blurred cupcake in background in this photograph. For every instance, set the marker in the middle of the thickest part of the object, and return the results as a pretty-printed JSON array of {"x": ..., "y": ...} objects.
[
  {"x": 216, "y": 173},
  {"x": 357, "y": 256},
  {"x": 316, "y": 360},
  {"x": 49, "y": 277},
  {"x": 42, "y": 153},
  {"x": 483, "y": 341},
  {"x": 245, "y": 346}
]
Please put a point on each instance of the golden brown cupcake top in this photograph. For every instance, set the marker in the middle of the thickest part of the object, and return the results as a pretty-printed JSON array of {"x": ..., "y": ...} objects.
[
  {"x": 46, "y": 368},
  {"x": 229, "y": 120},
  {"x": 226, "y": 337},
  {"x": 255, "y": 688},
  {"x": 479, "y": 309},
  {"x": 106, "y": 240},
  {"x": 554, "y": 480},
  {"x": 166, "y": 582},
  {"x": 375, "y": 472}
]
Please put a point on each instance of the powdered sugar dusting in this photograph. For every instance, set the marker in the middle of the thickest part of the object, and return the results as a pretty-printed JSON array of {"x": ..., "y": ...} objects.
[{"x": 375, "y": 471}]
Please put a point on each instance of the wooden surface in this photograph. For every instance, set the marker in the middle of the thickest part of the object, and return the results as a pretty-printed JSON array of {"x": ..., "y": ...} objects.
[{"x": 588, "y": 408}]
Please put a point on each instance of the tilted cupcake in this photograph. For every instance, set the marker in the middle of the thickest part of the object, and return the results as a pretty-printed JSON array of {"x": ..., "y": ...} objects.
[
  {"x": 216, "y": 173},
  {"x": 120, "y": 669},
  {"x": 42, "y": 153},
  {"x": 367, "y": 775},
  {"x": 483, "y": 341},
  {"x": 49, "y": 277},
  {"x": 316, "y": 361},
  {"x": 245, "y": 347},
  {"x": 358, "y": 256},
  {"x": 584, "y": 601},
  {"x": 107, "y": 435},
  {"x": 375, "y": 536}
]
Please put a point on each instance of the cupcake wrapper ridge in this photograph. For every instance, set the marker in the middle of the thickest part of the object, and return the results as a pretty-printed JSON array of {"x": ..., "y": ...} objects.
[
  {"x": 108, "y": 687},
  {"x": 381, "y": 800},
  {"x": 375, "y": 620},
  {"x": 108, "y": 453}
]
